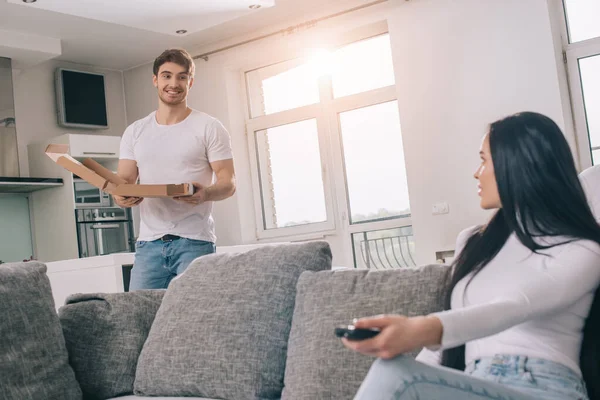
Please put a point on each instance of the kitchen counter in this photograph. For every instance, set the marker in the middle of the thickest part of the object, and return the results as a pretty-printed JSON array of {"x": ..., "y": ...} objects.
[
  {"x": 90, "y": 262},
  {"x": 102, "y": 274}
]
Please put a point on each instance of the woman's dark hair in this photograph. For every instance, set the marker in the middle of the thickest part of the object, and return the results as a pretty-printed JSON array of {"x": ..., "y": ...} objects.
[{"x": 541, "y": 195}]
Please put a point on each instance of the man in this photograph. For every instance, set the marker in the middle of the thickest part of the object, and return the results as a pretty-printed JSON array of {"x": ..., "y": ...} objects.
[{"x": 174, "y": 144}]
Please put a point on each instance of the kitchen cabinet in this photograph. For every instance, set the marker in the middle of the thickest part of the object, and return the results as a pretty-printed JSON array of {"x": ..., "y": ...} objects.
[
  {"x": 15, "y": 229},
  {"x": 93, "y": 146},
  {"x": 103, "y": 274}
]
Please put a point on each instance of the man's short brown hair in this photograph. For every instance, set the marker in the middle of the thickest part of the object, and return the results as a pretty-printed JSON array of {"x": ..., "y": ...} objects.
[{"x": 177, "y": 56}]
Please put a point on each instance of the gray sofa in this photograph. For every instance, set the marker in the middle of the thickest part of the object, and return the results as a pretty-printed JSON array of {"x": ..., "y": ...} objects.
[{"x": 257, "y": 325}]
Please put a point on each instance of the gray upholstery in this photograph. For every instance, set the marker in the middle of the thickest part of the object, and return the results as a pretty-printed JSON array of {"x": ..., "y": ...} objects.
[
  {"x": 318, "y": 365},
  {"x": 33, "y": 357},
  {"x": 222, "y": 329},
  {"x": 104, "y": 335}
]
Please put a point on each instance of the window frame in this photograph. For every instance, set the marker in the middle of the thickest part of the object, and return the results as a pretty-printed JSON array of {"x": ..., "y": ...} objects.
[
  {"x": 326, "y": 112},
  {"x": 572, "y": 53}
]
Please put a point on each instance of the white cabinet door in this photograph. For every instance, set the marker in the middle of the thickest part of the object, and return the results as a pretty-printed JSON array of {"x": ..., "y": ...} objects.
[
  {"x": 94, "y": 146},
  {"x": 108, "y": 279}
]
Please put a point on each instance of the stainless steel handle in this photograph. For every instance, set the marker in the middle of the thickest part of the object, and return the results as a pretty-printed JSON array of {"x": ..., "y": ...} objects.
[
  {"x": 105, "y": 226},
  {"x": 99, "y": 153}
]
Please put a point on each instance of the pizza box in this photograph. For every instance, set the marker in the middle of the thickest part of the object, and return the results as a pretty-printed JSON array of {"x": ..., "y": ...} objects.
[{"x": 107, "y": 181}]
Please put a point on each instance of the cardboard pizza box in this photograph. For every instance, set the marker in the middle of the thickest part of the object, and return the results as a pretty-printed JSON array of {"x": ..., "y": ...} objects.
[{"x": 104, "y": 179}]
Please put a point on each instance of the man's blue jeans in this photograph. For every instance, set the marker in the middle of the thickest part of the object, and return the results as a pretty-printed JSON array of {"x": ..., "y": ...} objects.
[{"x": 158, "y": 262}]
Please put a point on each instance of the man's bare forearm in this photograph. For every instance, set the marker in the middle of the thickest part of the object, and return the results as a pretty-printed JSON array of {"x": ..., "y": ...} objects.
[{"x": 220, "y": 190}]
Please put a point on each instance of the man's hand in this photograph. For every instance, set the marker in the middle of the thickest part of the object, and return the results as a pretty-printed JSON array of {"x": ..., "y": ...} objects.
[
  {"x": 399, "y": 334},
  {"x": 127, "y": 202},
  {"x": 200, "y": 195}
]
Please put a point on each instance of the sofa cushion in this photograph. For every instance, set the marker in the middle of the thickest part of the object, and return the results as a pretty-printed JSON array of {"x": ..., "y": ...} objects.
[
  {"x": 159, "y": 398},
  {"x": 105, "y": 333},
  {"x": 222, "y": 328},
  {"x": 33, "y": 358},
  {"x": 318, "y": 365}
]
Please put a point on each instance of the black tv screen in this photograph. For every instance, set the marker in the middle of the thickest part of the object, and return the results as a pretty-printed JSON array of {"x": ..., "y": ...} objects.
[{"x": 81, "y": 99}]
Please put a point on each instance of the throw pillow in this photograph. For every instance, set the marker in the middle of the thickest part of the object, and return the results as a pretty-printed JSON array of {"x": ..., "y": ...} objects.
[
  {"x": 34, "y": 362},
  {"x": 318, "y": 364},
  {"x": 105, "y": 333},
  {"x": 222, "y": 328}
]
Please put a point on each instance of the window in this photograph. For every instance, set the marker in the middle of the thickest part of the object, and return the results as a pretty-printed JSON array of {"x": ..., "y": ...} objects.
[
  {"x": 370, "y": 60},
  {"x": 290, "y": 175},
  {"x": 325, "y": 140},
  {"x": 582, "y": 19},
  {"x": 282, "y": 87},
  {"x": 583, "y": 62},
  {"x": 589, "y": 68},
  {"x": 373, "y": 159}
]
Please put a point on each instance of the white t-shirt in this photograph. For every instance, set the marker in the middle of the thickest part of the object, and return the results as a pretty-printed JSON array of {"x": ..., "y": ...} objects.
[
  {"x": 523, "y": 303},
  {"x": 176, "y": 153}
]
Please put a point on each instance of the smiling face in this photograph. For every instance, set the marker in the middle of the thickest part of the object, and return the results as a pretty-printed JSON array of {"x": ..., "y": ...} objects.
[
  {"x": 488, "y": 188},
  {"x": 173, "y": 82}
]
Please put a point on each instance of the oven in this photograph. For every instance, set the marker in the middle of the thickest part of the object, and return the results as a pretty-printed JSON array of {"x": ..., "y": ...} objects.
[
  {"x": 102, "y": 231},
  {"x": 89, "y": 196}
]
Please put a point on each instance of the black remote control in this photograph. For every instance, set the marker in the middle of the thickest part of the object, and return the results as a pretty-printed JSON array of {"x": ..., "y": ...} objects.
[{"x": 350, "y": 332}]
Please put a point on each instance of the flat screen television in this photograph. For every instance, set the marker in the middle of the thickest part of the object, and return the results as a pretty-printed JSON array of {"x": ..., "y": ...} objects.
[{"x": 81, "y": 99}]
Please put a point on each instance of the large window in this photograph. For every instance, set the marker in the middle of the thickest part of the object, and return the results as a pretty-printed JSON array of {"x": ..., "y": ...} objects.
[
  {"x": 583, "y": 59},
  {"x": 582, "y": 19},
  {"x": 325, "y": 140}
]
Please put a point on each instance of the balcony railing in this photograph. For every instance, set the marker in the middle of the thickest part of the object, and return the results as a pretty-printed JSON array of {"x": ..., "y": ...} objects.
[{"x": 386, "y": 252}]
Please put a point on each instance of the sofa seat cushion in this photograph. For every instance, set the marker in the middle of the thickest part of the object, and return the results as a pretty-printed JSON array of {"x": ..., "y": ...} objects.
[
  {"x": 318, "y": 364},
  {"x": 222, "y": 328},
  {"x": 34, "y": 362}
]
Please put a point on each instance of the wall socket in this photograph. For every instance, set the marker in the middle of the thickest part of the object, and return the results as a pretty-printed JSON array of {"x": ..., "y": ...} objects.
[{"x": 440, "y": 208}]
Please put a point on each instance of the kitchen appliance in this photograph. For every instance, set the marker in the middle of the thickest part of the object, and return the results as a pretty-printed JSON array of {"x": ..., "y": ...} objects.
[
  {"x": 102, "y": 231},
  {"x": 89, "y": 196},
  {"x": 10, "y": 174}
]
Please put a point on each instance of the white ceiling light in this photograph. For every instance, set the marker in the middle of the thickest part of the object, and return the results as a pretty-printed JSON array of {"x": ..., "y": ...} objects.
[{"x": 181, "y": 31}]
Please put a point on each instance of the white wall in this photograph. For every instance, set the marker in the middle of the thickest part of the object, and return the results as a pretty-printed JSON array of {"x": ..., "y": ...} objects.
[
  {"x": 460, "y": 64},
  {"x": 35, "y": 105}
]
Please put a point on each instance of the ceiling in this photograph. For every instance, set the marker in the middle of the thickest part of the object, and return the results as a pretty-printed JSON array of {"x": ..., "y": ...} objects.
[
  {"x": 183, "y": 16},
  {"x": 122, "y": 34}
]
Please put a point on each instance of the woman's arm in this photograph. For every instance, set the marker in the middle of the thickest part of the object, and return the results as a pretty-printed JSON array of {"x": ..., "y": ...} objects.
[{"x": 566, "y": 278}]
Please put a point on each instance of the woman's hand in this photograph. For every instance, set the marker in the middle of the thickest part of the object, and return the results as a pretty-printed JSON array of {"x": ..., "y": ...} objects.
[{"x": 399, "y": 334}]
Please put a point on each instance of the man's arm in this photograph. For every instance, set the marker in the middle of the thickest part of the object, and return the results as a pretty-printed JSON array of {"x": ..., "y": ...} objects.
[
  {"x": 127, "y": 170},
  {"x": 223, "y": 187}
]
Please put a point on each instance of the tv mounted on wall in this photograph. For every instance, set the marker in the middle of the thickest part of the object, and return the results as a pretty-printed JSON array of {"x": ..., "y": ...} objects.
[{"x": 81, "y": 99}]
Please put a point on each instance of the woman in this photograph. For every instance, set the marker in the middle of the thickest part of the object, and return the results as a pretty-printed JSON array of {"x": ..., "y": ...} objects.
[{"x": 523, "y": 291}]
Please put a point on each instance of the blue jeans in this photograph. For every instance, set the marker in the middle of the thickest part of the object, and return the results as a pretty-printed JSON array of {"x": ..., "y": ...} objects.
[
  {"x": 502, "y": 377},
  {"x": 157, "y": 263}
]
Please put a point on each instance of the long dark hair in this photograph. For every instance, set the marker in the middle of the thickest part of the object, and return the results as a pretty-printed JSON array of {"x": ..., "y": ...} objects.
[{"x": 541, "y": 195}]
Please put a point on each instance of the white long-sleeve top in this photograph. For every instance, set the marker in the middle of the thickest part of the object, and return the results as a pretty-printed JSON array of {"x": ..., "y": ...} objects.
[{"x": 523, "y": 303}]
